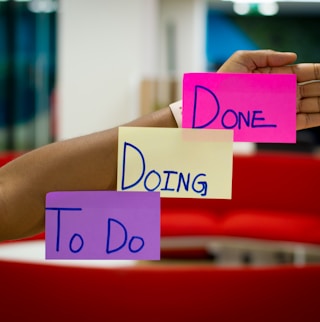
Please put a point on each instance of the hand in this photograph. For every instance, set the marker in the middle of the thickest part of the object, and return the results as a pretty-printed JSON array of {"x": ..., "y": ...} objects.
[{"x": 273, "y": 62}]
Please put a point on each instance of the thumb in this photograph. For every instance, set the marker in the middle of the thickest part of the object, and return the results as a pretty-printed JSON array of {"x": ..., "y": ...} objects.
[{"x": 248, "y": 61}]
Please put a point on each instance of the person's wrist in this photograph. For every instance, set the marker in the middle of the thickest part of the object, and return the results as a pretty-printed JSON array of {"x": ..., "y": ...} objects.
[{"x": 176, "y": 109}]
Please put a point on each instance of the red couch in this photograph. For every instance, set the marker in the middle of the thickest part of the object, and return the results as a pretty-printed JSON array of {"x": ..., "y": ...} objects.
[{"x": 275, "y": 198}]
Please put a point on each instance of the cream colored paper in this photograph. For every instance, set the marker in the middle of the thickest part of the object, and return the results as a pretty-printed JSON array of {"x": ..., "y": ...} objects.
[{"x": 180, "y": 163}]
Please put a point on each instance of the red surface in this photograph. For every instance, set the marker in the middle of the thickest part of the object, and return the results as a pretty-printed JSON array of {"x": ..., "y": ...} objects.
[
  {"x": 6, "y": 157},
  {"x": 45, "y": 293},
  {"x": 272, "y": 197}
]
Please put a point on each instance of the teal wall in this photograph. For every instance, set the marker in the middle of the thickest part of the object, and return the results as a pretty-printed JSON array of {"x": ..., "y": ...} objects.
[{"x": 27, "y": 75}]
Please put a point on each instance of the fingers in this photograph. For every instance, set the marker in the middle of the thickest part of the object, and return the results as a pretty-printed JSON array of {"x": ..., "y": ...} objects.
[
  {"x": 275, "y": 58},
  {"x": 308, "y": 97},
  {"x": 305, "y": 120},
  {"x": 308, "y": 104},
  {"x": 249, "y": 61},
  {"x": 269, "y": 61},
  {"x": 265, "y": 58},
  {"x": 307, "y": 72},
  {"x": 309, "y": 89}
]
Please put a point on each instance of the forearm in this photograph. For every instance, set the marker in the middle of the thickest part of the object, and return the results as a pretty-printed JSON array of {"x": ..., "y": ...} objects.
[{"x": 83, "y": 163}]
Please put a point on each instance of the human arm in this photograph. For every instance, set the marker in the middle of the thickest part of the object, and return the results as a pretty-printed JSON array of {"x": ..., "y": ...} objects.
[
  {"x": 90, "y": 162},
  {"x": 83, "y": 163}
]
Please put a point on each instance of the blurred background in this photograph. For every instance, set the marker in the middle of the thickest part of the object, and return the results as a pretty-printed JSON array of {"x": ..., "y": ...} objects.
[{"x": 72, "y": 67}]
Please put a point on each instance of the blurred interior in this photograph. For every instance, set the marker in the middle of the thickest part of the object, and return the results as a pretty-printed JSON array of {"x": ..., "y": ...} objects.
[{"x": 72, "y": 67}]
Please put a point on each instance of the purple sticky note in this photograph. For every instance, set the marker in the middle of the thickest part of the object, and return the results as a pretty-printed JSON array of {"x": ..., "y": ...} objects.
[
  {"x": 258, "y": 107},
  {"x": 103, "y": 225}
]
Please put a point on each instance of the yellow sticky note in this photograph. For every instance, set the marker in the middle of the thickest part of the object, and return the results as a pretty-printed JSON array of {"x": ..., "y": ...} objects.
[{"x": 179, "y": 163}]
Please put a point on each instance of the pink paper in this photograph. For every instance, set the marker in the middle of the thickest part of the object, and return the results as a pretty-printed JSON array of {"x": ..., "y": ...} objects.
[
  {"x": 103, "y": 225},
  {"x": 258, "y": 107}
]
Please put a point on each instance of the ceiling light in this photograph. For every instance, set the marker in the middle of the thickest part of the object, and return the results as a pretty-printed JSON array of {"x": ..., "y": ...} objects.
[
  {"x": 268, "y": 8},
  {"x": 241, "y": 8}
]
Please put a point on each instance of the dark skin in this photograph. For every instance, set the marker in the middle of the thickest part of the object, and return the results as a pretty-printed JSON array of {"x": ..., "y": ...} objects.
[
  {"x": 271, "y": 62},
  {"x": 90, "y": 162}
]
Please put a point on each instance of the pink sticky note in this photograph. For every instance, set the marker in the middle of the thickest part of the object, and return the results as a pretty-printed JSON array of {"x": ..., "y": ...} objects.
[
  {"x": 258, "y": 107},
  {"x": 103, "y": 225}
]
